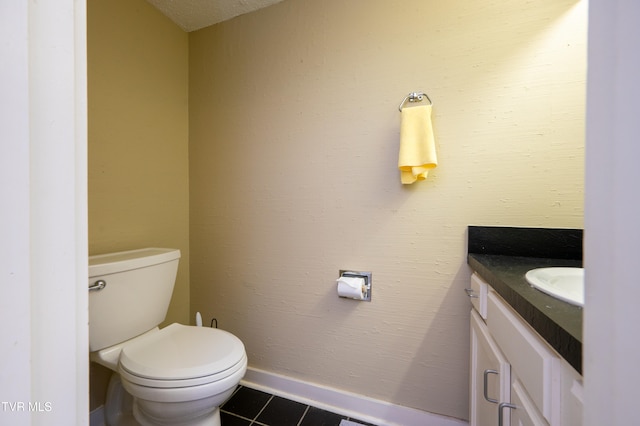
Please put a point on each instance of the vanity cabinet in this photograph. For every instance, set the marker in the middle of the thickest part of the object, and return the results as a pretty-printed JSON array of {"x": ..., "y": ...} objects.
[
  {"x": 490, "y": 375},
  {"x": 516, "y": 377}
]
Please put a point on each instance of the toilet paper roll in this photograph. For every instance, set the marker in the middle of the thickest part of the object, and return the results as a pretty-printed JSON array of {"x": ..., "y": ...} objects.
[{"x": 351, "y": 287}]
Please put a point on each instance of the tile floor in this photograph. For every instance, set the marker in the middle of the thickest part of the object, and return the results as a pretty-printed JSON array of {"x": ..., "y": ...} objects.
[{"x": 250, "y": 407}]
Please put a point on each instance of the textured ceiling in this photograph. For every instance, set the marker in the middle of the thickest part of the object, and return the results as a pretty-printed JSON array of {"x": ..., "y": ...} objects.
[{"x": 191, "y": 15}]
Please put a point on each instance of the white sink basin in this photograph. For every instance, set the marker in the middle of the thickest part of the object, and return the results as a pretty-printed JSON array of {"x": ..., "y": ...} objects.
[{"x": 566, "y": 284}]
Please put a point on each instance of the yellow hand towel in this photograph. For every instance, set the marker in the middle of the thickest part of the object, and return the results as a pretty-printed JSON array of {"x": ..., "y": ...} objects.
[{"x": 417, "y": 146}]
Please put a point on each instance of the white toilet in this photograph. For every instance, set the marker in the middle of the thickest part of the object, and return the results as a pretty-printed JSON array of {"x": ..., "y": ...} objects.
[{"x": 178, "y": 375}]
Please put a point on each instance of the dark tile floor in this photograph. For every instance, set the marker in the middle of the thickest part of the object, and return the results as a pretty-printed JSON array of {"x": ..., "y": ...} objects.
[{"x": 250, "y": 407}]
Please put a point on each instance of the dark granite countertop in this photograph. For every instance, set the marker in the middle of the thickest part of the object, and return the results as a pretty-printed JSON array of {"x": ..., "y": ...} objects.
[{"x": 502, "y": 256}]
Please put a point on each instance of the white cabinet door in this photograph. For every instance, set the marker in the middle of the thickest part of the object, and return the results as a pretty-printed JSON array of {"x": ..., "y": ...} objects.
[
  {"x": 490, "y": 375},
  {"x": 512, "y": 365},
  {"x": 531, "y": 358},
  {"x": 523, "y": 411},
  {"x": 571, "y": 402}
]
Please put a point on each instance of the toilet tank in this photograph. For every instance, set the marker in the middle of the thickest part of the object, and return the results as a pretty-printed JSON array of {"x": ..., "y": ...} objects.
[{"x": 139, "y": 284}]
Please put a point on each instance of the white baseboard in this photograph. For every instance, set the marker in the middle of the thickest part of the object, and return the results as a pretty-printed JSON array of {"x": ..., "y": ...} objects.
[{"x": 370, "y": 410}]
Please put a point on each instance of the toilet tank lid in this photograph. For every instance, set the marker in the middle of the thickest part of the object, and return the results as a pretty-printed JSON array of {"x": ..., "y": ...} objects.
[{"x": 104, "y": 264}]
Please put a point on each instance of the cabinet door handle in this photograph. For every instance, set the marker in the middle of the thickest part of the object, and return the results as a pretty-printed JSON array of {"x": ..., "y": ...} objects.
[
  {"x": 469, "y": 292},
  {"x": 486, "y": 386},
  {"x": 98, "y": 285},
  {"x": 500, "y": 410}
]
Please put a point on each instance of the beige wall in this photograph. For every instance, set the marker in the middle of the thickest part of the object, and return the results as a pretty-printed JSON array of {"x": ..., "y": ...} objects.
[
  {"x": 294, "y": 128},
  {"x": 138, "y": 135},
  {"x": 138, "y": 141}
]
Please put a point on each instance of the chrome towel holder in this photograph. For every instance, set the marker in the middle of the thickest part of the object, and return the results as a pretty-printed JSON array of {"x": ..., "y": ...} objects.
[{"x": 414, "y": 97}]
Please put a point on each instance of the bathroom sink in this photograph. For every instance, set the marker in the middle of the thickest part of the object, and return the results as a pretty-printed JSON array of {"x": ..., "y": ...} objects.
[{"x": 566, "y": 284}]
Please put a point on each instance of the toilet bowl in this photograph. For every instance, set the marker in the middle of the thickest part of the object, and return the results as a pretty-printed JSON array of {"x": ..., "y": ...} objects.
[
  {"x": 181, "y": 374},
  {"x": 178, "y": 375}
]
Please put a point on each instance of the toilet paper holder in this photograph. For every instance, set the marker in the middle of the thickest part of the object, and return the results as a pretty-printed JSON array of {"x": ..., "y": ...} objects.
[{"x": 367, "y": 282}]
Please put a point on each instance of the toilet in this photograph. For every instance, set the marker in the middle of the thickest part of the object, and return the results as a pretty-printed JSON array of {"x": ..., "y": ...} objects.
[{"x": 177, "y": 375}]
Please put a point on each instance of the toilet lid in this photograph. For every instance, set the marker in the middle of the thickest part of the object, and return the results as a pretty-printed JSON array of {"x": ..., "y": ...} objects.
[{"x": 182, "y": 352}]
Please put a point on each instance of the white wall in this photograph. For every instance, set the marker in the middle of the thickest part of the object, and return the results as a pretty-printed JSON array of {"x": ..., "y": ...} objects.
[
  {"x": 612, "y": 230},
  {"x": 15, "y": 301},
  {"x": 43, "y": 358}
]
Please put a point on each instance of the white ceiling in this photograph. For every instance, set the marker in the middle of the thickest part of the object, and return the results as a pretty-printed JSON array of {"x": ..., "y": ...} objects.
[{"x": 191, "y": 15}]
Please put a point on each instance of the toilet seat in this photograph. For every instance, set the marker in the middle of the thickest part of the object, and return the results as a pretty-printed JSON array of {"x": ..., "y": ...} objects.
[{"x": 181, "y": 356}]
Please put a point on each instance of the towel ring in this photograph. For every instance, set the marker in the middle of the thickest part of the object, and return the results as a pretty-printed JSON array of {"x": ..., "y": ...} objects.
[{"x": 414, "y": 97}]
